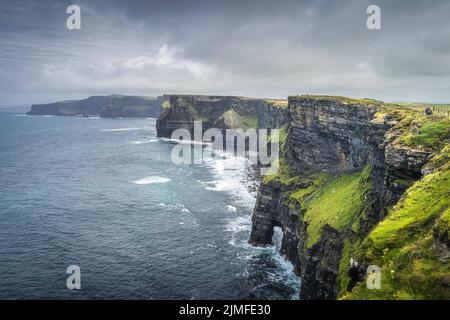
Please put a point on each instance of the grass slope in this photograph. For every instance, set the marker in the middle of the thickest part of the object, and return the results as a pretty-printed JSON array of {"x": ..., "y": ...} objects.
[
  {"x": 236, "y": 121},
  {"x": 411, "y": 244},
  {"x": 338, "y": 203}
]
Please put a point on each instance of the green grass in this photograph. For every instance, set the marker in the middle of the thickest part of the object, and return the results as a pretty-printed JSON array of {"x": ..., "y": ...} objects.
[
  {"x": 388, "y": 290},
  {"x": 166, "y": 105},
  {"x": 408, "y": 243},
  {"x": 234, "y": 120},
  {"x": 339, "y": 204},
  {"x": 431, "y": 132},
  {"x": 285, "y": 175},
  {"x": 442, "y": 157},
  {"x": 347, "y": 100},
  {"x": 301, "y": 194},
  {"x": 415, "y": 271},
  {"x": 421, "y": 106},
  {"x": 414, "y": 129},
  {"x": 277, "y": 103},
  {"x": 422, "y": 203}
]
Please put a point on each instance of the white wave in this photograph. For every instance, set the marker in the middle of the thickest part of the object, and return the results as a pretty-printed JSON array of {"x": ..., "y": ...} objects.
[
  {"x": 230, "y": 177},
  {"x": 239, "y": 224},
  {"x": 34, "y": 115},
  {"x": 152, "y": 179},
  {"x": 187, "y": 141},
  {"x": 287, "y": 275},
  {"x": 123, "y": 129},
  {"x": 175, "y": 206},
  {"x": 143, "y": 141},
  {"x": 212, "y": 245}
]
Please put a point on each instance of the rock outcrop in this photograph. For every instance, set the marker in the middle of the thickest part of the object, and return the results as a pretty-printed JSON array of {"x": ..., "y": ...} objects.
[
  {"x": 271, "y": 210},
  {"x": 104, "y": 106}
]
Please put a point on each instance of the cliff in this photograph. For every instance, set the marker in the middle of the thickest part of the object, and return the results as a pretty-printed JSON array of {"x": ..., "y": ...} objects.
[
  {"x": 360, "y": 180},
  {"x": 222, "y": 112},
  {"x": 361, "y": 183},
  {"x": 104, "y": 106}
]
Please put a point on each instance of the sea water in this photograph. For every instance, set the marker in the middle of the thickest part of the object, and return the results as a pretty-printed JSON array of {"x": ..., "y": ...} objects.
[{"x": 103, "y": 194}]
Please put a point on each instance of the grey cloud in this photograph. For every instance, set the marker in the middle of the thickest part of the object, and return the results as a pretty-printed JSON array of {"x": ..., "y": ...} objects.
[{"x": 259, "y": 48}]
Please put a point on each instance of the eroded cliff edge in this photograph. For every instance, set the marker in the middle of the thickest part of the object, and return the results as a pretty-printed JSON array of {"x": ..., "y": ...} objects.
[{"x": 345, "y": 167}]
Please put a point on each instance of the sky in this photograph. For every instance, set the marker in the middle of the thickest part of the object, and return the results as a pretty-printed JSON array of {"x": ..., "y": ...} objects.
[{"x": 256, "y": 48}]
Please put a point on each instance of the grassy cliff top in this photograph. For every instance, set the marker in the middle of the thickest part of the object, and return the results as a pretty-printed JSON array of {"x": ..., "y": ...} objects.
[
  {"x": 280, "y": 103},
  {"x": 277, "y": 103},
  {"x": 210, "y": 97},
  {"x": 345, "y": 100},
  {"x": 422, "y": 105},
  {"x": 412, "y": 128}
]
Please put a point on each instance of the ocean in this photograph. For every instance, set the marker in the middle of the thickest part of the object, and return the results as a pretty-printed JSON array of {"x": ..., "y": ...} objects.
[{"x": 103, "y": 194}]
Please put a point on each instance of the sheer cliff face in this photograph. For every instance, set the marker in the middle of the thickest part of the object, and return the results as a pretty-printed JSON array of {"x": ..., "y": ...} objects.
[
  {"x": 365, "y": 172},
  {"x": 328, "y": 134},
  {"x": 104, "y": 106},
  {"x": 222, "y": 112}
]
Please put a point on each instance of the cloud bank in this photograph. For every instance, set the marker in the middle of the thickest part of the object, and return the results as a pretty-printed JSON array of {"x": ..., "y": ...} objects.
[{"x": 254, "y": 48}]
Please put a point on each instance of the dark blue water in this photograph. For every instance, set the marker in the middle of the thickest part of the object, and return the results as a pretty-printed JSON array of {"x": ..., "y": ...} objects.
[{"x": 104, "y": 194}]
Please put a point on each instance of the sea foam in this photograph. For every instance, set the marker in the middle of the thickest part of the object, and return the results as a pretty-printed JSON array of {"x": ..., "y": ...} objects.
[
  {"x": 144, "y": 141},
  {"x": 152, "y": 179},
  {"x": 123, "y": 129}
]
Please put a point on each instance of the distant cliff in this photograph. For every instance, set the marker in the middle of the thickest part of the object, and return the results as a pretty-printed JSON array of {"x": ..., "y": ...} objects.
[
  {"x": 222, "y": 112},
  {"x": 104, "y": 106}
]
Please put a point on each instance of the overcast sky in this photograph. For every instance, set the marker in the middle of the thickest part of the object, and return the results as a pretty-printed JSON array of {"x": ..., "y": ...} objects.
[{"x": 253, "y": 48}]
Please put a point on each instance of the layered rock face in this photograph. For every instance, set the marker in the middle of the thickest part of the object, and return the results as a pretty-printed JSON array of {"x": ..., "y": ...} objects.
[
  {"x": 319, "y": 265},
  {"x": 271, "y": 211},
  {"x": 394, "y": 168},
  {"x": 104, "y": 106},
  {"x": 336, "y": 136},
  {"x": 220, "y": 112},
  {"x": 327, "y": 134}
]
